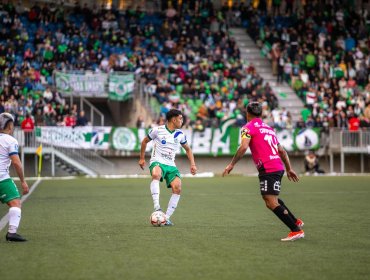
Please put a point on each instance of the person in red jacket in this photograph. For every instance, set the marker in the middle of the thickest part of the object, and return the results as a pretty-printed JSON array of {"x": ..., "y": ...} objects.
[
  {"x": 354, "y": 123},
  {"x": 354, "y": 126},
  {"x": 70, "y": 120},
  {"x": 28, "y": 126}
]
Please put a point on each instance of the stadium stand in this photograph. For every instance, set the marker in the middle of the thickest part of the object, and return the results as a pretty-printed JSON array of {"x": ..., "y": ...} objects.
[
  {"x": 322, "y": 51},
  {"x": 188, "y": 61},
  {"x": 186, "y": 57}
]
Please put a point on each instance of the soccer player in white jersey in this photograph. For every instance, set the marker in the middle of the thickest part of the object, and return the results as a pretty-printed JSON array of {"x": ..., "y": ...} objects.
[
  {"x": 167, "y": 140},
  {"x": 8, "y": 190}
]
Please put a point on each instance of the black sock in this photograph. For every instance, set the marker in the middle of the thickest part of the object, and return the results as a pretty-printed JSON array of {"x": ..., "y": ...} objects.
[
  {"x": 284, "y": 216},
  {"x": 290, "y": 213}
]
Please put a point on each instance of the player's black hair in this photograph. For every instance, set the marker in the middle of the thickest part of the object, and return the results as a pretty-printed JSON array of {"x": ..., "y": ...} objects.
[
  {"x": 255, "y": 108},
  {"x": 172, "y": 114}
]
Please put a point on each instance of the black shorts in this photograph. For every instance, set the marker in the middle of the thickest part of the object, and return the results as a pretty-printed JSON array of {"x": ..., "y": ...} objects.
[{"x": 270, "y": 182}]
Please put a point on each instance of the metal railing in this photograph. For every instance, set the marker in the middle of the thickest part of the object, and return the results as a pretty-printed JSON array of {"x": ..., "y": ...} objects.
[
  {"x": 93, "y": 111},
  {"x": 356, "y": 141},
  {"x": 87, "y": 157},
  {"x": 145, "y": 98},
  {"x": 343, "y": 141}
]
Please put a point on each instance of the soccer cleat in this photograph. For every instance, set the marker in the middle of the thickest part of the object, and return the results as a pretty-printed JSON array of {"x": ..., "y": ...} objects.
[
  {"x": 14, "y": 237},
  {"x": 169, "y": 223},
  {"x": 294, "y": 235},
  {"x": 299, "y": 223}
]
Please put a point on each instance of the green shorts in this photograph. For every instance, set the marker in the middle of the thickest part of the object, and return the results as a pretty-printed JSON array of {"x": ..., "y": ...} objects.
[
  {"x": 169, "y": 173},
  {"x": 8, "y": 191}
]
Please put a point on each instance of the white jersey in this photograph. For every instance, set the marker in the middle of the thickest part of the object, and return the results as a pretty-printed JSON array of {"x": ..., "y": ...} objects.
[
  {"x": 166, "y": 144},
  {"x": 8, "y": 147}
]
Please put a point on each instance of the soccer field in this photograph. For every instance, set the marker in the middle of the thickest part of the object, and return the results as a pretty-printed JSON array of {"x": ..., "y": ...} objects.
[{"x": 99, "y": 229}]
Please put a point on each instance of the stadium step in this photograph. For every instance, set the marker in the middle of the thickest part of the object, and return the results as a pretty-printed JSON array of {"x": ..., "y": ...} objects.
[
  {"x": 266, "y": 70},
  {"x": 71, "y": 170},
  {"x": 261, "y": 63},
  {"x": 247, "y": 45},
  {"x": 251, "y": 53}
]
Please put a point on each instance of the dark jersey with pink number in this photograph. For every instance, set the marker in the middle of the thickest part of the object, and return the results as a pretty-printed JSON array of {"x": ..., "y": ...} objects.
[{"x": 263, "y": 145}]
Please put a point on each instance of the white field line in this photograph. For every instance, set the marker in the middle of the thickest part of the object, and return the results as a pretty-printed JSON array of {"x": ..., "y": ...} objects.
[{"x": 4, "y": 220}]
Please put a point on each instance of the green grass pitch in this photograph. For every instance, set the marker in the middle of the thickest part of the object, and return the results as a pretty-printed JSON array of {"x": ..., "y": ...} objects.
[{"x": 99, "y": 229}]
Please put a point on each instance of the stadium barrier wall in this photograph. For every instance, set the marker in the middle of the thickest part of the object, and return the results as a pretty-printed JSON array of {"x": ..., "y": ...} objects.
[
  {"x": 124, "y": 151},
  {"x": 129, "y": 165}
]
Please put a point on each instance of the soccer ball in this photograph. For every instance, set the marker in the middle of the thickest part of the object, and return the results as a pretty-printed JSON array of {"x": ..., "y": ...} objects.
[{"x": 158, "y": 218}]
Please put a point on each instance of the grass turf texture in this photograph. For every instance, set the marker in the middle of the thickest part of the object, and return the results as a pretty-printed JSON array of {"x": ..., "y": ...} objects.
[{"x": 99, "y": 229}]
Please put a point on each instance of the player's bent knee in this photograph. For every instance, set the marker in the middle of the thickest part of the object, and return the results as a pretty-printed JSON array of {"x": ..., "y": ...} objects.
[
  {"x": 15, "y": 203},
  {"x": 176, "y": 188},
  {"x": 176, "y": 191}
]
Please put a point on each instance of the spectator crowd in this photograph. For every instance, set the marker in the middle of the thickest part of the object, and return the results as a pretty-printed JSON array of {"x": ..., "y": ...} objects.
[
  {"x": 322, "y": 50},
  {"x": 188, "y": 60},
  {"x": 185, "y": 56}
]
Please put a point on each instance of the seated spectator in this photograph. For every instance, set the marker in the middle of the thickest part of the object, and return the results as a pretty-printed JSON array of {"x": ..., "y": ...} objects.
[
  {"x": 39, "y": 118},
  {"x": 198, "y": 125},
  {"x": 364, "y": 122},
  {"x": 70, "y": 120},
  {"x": 330, "y": 58},
  {"x": 81, "y": 119},
  {"x": 28, "y": 125},
  {"x": 196, "y": 61},
  {"x": 140, "y": 122},
  {"x": 60, "y": 121},
  {"x": 49, "y": 114},
  {"x": 353, "y": 123},
  {"x": 311, "y": 164}
]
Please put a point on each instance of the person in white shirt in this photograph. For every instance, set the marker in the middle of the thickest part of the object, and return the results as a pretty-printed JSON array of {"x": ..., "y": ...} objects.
[
  {"x": 167, "y": 141},
  {"x": 8, "y": 190}
]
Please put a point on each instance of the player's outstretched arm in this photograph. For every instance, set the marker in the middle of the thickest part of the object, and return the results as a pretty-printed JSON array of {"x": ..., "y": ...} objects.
[
  {"x": 145, "y": 141},
  {"x": 238, "y": 155},
  {"x": 292, "y": 176},
  {"x": 189, "y": 154},
  {"x": 18, "y": 168}
]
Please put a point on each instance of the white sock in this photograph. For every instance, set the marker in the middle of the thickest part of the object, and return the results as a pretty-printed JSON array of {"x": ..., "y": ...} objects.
[
  {"x": 14, "y": 219},
  {"x": 172, "y": 204},
  {"x": 154, "y": 189}
]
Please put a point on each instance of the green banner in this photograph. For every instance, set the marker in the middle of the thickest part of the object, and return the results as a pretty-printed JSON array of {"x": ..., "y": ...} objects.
[
  {"x": 307, "y": 139},
  {"x": 121, "y": 87},
  {"x": 128, "y": 139},
  {"x": 81, "y": 84},
  {"x": 114, "y": 86}
]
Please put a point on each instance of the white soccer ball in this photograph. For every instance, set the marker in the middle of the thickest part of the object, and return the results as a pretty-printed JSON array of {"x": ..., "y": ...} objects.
[{"x": 158, "y": 218}]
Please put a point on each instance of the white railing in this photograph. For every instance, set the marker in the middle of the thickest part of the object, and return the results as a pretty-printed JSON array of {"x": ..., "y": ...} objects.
[
  {"x": 145, "y": 99},
  {"x": 93, "y": 111},
  {"x": 343, "y": 141},
  {"x": 357, "y": 141},
  {"x": 86, "y": 157}
]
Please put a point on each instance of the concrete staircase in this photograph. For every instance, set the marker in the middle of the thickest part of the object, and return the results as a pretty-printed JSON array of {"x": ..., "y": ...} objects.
[{"x": 251, "y": 54}]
